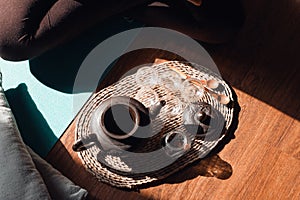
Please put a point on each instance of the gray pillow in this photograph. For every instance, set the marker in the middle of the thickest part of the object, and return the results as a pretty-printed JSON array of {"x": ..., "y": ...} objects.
[
  {"x": 59, "y": 186},
  {"x": 23, "y": 174},
  {"x": 19, "y": 179}
]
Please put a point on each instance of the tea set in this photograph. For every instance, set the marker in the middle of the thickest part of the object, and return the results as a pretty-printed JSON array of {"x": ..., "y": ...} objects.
[{"x": 123, "y": 123}]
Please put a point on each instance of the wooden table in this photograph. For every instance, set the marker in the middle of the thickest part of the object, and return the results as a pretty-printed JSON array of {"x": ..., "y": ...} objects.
[{"x": 263, "y": 160}]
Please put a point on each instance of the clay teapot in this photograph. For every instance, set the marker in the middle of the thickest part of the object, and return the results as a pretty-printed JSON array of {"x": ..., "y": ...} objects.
[
  {"x": 121, "y": 123},
  {"x": 201, "y": 119}
]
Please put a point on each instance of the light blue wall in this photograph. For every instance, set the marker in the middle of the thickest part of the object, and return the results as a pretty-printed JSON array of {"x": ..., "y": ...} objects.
[{"x": 44, "y": 112}]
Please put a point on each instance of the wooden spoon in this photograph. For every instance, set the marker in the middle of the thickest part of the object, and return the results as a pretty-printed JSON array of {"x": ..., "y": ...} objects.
[{"x": 207, "y": 85}]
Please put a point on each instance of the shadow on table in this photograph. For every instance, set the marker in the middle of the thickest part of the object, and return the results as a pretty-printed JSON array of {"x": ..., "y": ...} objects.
[
  {"x": 212, "y": 166},
  {"x": 33, "y": 127},
  {"x": 263, "y": 60}
]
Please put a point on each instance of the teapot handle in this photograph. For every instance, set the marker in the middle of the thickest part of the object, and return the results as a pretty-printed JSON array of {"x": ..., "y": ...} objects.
[{"x": 84, "y": 143}]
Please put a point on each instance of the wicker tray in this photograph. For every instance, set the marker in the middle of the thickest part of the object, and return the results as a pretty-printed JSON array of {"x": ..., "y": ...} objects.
[{"x": 119, "y": 171}]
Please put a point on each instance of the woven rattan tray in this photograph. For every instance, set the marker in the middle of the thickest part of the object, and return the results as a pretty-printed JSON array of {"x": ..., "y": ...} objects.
[{"x": 118, "y": 171}]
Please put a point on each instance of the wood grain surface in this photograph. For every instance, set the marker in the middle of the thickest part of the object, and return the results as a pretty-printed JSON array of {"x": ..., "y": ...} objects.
[{"x": 262, "y": 160}]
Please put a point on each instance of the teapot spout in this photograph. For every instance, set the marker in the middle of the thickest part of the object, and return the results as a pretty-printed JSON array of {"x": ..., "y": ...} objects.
[{"x": 155, "y": 109}]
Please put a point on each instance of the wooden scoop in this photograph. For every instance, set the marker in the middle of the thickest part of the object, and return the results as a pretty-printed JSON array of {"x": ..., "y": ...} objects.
[
  {"x": 207, "y": 85},
  {"x": 196, "y": 2}
]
